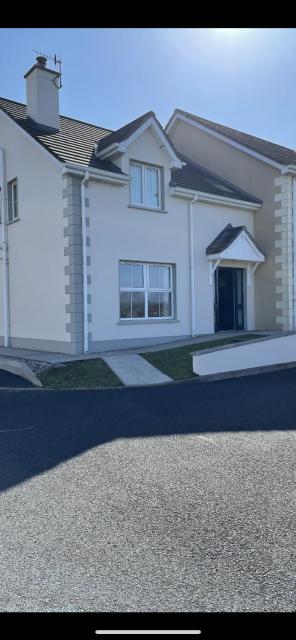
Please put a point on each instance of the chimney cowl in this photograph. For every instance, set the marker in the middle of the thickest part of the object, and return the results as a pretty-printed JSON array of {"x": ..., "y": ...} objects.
[{"x": 41, "y": 61}]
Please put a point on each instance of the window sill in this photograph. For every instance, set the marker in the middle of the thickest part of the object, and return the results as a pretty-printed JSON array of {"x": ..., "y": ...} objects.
[
  {"x": 147, "y": 321},
  {"x": 12, "y": 221},
  {"x": 142, "y": 208}
]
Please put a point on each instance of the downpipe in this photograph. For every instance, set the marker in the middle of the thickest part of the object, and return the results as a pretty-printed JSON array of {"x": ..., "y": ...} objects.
[
  {"x": 84, "y": 262},
  {"x": 4, "y": 246},
  {"x": 192, "y": 272}
]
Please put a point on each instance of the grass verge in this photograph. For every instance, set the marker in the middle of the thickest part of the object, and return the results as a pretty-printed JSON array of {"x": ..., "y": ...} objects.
[
  {"x": 177, "y": 362},
  {"x": 83, "y": 373}
]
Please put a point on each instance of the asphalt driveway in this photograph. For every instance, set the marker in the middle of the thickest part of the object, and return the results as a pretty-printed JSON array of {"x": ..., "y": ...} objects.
[
  {"x": 12, "y": 381},
  {"x": 171, "y": 498}
]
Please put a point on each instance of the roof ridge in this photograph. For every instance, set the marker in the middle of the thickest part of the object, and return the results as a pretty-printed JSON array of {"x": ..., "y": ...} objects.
[{"x": 192, "y": 115}]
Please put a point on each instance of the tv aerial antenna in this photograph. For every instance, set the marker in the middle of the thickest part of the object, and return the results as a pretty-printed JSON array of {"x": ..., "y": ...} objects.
[{"x": 57, "y": 62}]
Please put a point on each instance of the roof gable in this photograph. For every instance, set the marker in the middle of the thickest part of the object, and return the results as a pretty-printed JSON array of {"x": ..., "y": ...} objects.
[
  {"x": 271, "y": 152},
  {"x": 117, "y": 142}
]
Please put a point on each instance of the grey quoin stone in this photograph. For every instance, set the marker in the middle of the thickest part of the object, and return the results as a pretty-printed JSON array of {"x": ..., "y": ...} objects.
[{"x": 74, "y": 266}]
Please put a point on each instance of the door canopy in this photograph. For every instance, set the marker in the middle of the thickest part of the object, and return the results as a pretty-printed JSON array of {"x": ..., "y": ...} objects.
[{"x": 234, "y": 243}]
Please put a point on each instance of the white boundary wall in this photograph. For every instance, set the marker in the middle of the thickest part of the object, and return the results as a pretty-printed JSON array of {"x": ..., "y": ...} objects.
[{"x": 263, "y": 353}]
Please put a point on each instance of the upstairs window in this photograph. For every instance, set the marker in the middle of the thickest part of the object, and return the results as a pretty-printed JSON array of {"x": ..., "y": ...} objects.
[
  {"x": 145, "y": 189},
  {"x": 12, "y": 200}
]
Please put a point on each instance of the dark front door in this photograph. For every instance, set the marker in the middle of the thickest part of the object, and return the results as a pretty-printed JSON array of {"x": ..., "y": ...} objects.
[{"x": 229, "y": 299}]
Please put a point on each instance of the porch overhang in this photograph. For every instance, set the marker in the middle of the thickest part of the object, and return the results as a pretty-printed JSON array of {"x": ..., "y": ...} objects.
[{"x": 234, "y": 244}]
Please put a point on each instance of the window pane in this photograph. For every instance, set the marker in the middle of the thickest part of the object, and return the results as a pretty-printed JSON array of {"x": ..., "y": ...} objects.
[
  {"x": 153, "y": 277},
  {"x": 125, "y": 304},
  {"x": 125, "y": 275},
  {"x": 164, "y": 278},
  {"x": 153, "y": 305},
  {"x": 14, "y": 199},
  {"x": 10, "y": 215},
  {"x": 152, "y": 192},
  {"x": 138, "y": 305},
  {"x": 137, "y": 276},
  {"x": 136, "y": 184},
  {"x": 165, "y": 304}
]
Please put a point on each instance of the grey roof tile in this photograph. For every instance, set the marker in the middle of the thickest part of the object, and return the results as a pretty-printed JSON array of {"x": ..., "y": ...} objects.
[
  {"x": 124, "y": 132},
  {"x": 225, "y": 238},
  {"x": 197, "y": 178},
  {"x": 73, "y": 143}
]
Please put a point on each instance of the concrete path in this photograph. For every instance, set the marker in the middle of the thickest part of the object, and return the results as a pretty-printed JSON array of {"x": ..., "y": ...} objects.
[
  {"x": 134, "y": 370},
  {"x": 52, "y": 357}
]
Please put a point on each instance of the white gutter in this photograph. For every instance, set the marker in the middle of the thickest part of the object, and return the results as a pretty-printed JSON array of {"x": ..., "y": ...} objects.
[
  {"x": 96, "y": 174},
  {"x": 182, "y": 192},
  {"x": 4, "y": 244},
  {"x": 84, "y": 262},
  {"x": 192, "y": 272},
  {"x": 294, "y": 250}
]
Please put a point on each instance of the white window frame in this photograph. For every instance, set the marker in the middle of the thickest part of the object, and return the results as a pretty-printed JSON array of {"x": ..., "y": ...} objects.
[
  {"x": 146, "y": 290},
  {"x": 11, "y": 185},
  {"x": 144, "y": 204}
]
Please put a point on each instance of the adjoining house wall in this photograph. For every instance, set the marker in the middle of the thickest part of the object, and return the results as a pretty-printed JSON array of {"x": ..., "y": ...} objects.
[
  {"x": 208, "y": 221},
  {"x": 257, "y": 178},
  {"x": 36, "y": 246}
]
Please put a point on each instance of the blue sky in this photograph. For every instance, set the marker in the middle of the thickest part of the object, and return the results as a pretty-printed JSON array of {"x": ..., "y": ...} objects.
[{"x": 244, "y": 78}]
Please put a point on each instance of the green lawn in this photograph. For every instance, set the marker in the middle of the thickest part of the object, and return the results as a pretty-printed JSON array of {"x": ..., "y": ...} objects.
[
  {"x": 84, "y": 373},
  {"x": 177, "y": 363}
]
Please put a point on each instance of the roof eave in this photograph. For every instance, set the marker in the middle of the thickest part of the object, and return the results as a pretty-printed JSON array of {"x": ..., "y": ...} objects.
[
  {"x": 290, "y": 169},
  {"x": 188, "y": 194},
  {"x": 109, "y": 177},
  {"x": 42, "y": 147}
]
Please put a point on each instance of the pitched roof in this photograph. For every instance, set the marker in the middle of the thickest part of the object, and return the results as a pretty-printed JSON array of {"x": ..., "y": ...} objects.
[
  {"x": 196, "y": 177},
  {"x": 226, "y": 238},
  {"x": 73, "y": 143},
  {"x": 276, "y": 152},
  {"x": 124, "y": 132}
]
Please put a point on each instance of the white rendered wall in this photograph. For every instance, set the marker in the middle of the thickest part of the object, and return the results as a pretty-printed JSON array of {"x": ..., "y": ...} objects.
[
  {"x": 119, "y": 232},
  {"x": 257, "y": 354},
  {"x": 36, "y": 242}
]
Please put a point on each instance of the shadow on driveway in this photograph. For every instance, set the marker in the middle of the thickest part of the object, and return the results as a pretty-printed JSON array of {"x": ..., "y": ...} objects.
[
  {"x": 41, "y": 429},
  {"x": 12, "y": 381}
]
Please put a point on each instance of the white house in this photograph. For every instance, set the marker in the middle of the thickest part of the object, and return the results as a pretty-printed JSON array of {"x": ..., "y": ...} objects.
[{"x": 124, "y": 238}]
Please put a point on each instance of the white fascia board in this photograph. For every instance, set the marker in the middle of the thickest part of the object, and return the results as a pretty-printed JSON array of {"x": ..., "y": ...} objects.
[
  {"x": 289, "y": 170},
  {"x": 58, "y": 163},
  {"x": 119, "y": 148},
  {"x": 179, "y": 192},
  {"x": 115, "y": 149},
  {"x": 223, "y": 138},
  {"x": 223, "y": 255},
  {"x": 96, "y": 174}
]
